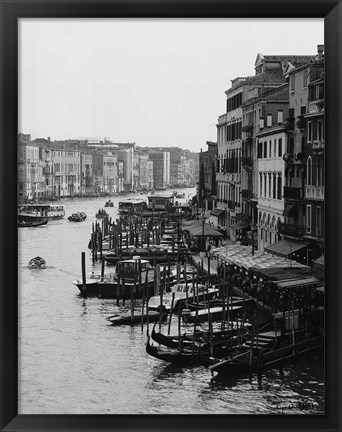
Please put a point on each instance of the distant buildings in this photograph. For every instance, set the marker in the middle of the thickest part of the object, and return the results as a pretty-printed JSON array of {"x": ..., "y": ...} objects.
[{"x": 55, "y": 169}]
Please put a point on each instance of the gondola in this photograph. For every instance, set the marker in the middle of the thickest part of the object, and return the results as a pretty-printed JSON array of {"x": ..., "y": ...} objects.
[
  {"x": 201, "y": 337},
  {"x": 183, "y": 356},
  {"x": 127, "y": 319}
]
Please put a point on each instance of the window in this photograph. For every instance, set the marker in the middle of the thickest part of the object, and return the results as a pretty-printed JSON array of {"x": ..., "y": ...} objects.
[
  {"x": 265, "y": 149},
  {"x": 320, "y": 130},
  {"x": 279, "y": 187},
  {"x": 262, "y": 123},
  {"x": 305, "y": 78},
  {"x": 280, "y": 116},
  {"x": 269, "y": 186},
  {"x": 269, "y": 120},
  {"x": 274, "y": 186},
  {"x": 309, "y": 171},
  {"x": 292, "y": 83},
  {"x": 259, "y": 150},
  {"x": 303, "y": 110},
  {"x": 280, "y": 147},
  {"x": 308, "y": 219},
  {"x": 319, "y": 173},
  {"x": 265, "y": 185},
  {"x": 275, "y": 148},
  {"x": 309, "y": 131},
  {"x": 270, "y": 149},
  {"x": 318, "y": 221}
]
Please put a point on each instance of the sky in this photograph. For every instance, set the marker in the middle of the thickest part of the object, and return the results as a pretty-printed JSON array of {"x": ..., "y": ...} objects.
[{"x": 155, "y": 82}]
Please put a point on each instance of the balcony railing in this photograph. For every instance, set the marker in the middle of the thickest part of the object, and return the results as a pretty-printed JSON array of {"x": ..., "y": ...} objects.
[
  {"x": 314, "y": 192},
  {"x": 318, "y": 145},
  {"x": 247, "y": 163},
  {"x": 293, "y": 193},
  {"x": 290, "y": 230}
]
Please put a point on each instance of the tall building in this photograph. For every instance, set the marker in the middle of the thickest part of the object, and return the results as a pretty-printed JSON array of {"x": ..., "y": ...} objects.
[{"x": 161, "y": 168}]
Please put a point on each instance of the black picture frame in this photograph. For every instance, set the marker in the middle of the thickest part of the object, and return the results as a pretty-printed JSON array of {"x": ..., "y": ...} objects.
[{"x": 11, "y": 11}]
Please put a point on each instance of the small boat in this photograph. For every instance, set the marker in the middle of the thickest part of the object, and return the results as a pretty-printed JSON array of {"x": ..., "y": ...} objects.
[
  {"x": 127, "y": 319},
  {"x": 37, "y": 263},
  {"x": 77, "y": 217},
  {"x": 201, "y": 337},
  {"x": 183, "y": 356},
  {"x": 31, "y": 224},
  {"x": 101, "y": 214},
  {"x": 182, "y": 292},
  {"x": 109, "y": 203},
  {"x": 91, "y": 283}
]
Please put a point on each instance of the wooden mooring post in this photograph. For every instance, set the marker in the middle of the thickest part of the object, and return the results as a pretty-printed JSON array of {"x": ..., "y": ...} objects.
[{"x": 84, "y": 281}]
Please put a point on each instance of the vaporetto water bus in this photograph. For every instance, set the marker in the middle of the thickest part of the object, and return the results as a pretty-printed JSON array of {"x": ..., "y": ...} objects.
[{"x": 36, "y": 212}]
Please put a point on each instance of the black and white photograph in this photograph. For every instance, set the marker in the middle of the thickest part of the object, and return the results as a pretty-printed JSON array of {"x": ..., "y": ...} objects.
[{"x": 171, "y": 216}]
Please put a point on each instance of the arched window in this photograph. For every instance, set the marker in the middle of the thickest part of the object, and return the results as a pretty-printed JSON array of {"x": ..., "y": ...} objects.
[
  {"x": 319, "y": 172},
  {"x": 309, "y": 171}
]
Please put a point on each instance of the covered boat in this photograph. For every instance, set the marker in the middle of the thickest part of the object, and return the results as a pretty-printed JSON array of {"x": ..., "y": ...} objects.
[
  {"x": 77, "y": 217},
  {"x": 183, "y": 292},
  {"x": 109, "y": 203},
  {"x": 37, "y": 263}
]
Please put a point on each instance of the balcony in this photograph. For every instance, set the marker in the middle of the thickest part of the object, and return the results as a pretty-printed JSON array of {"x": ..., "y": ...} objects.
[
  {"x": 248, "y": 129},
  {"x": 294, "y": 231},
  {"x": 314, "y": 193},
  {"x": 222, "y": 118},
  {"x": 247, "y": 163},
  {"x": 318, "y": 145},
  {"x": 316, "y": 106},
  {"x": 293, "y": 193}
]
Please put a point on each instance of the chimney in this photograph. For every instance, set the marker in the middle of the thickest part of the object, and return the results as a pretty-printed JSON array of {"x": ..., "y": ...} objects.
[
  {"x": 49, "y": 139},
  {"x": 320, "y": 51}
]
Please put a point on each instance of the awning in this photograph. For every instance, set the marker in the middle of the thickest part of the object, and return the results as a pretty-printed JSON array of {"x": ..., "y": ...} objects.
[
  {"x": 204, "y": 230},
  {"x": 298, "y": 282},
  {"x": 318, "y": 267},
  {"x": 284, "y": 248},
  {"x": 240, "y": 226},
  {"x": 216, "y": 212},
  {"x": 241, "y": 216},
  {"x": 320, "y": 260}
]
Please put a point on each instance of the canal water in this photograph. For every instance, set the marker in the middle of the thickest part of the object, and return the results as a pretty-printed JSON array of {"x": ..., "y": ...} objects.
[{"x": 72, "y": 362}]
